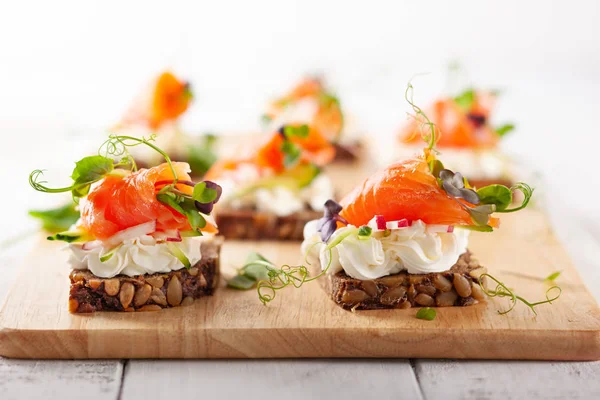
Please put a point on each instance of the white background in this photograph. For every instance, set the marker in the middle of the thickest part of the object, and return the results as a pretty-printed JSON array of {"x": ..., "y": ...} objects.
[{"x": 69, "y": 68}]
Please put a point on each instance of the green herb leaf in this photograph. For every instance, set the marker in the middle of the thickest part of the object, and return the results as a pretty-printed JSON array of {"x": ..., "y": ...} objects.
[
  {"x": 202, "y": 157},
  {"x": 426, "y": 313},
  {"x": 179, "y": 254},
  {"x": 504, "y": 129},
  {"x": 291, "y": 154},
  {"x": 57, "y": 219},
  {"x": 241, "y": 282},
  {"x": 435, "y": 167},
  {"x": 499, "y": 195},
  {"x": 527, "y": 193},
  {"x": 476, "y": 228},
  {"x": 169, "y": 199},
  {"x": 465, "y": 100},
  {"x": 364, "y": 231},
  {"x": 254, "y": 270},
  {"x": 298, "y": 131},
  {"x": 70, "y": 236},
  {"x": 204, "y": 195},
  {"x": 89, "y": 170},
  {"x": 196, "y": 220},
  {"x": 553, "y": 276}
]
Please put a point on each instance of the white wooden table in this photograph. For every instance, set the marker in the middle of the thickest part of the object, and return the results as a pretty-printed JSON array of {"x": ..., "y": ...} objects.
[{"x": 572, "y": 203}]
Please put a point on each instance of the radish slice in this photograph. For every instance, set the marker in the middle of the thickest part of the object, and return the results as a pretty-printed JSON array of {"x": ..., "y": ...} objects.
[
  {"x": 380, "y": 222},
  {"x": 403, "y": 223},
  {"x": 91, "y": 245},
  {"x": 450, "y": 229},
  {"x": 176, "y": 238},
  {"x": 130, "y": 233}
]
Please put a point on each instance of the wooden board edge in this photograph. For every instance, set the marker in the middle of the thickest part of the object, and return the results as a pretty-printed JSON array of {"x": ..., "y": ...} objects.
[{"x": 582, "y": 345}]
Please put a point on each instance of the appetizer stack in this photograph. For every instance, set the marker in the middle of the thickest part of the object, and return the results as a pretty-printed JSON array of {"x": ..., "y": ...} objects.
[
  {"x": 466, "y": 137},
  {"x": 157, "y": 110},
  {"x": 278, "y": 187},
  {"x": 312, "y": 103},
  {"x": 145, "y": 238}
]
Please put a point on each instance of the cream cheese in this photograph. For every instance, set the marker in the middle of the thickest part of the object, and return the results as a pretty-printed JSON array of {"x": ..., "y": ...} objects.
[
  {"x": 142, "y": 255},
  {"x": 417, "y": 249}
]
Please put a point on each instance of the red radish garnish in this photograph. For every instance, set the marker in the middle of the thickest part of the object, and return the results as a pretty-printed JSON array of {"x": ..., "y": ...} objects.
[
  {"x": 176, "y": 238},
  {"x": 450, "y": 229},
  {"x": 380, "y": 221},
  {"x": 130, "y": 233},
  {"x": 91, "y": 245},
  {"x": 403, "y": 223}
]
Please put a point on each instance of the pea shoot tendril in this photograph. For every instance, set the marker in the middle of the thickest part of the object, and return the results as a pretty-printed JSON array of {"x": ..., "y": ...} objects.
[{"x": 502, "y": 290}]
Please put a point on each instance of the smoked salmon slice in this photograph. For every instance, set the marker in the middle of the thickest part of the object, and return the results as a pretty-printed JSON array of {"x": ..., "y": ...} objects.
[
  {"x": 406, "y": 189},
  {"x": 456, "y": 128},
  {"x": 165, "y": 99},
  {"x": 119, "y": 202}
]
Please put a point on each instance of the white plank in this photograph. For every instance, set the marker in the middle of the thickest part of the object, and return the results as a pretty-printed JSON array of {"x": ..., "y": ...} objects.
[
  {"x": 65, "y": 380},
  {"x": 534, "y": 380},
  {"x": 272, "y": 379}
]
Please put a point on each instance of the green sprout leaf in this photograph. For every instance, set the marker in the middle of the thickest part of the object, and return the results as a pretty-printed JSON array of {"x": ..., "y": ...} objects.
[
  {"x": 204, "y": 195},
  {"x": 196, "y": 220},
  {"x": 57, "y": 219},
  {"x": 202, "y": 156},
  {"x": 254, "y": 270},
  {"x": 553, "y": 276},
  {"x": 364, "y": 231},
  {"x": 70, "y": 237},
  {"x": 502, "y": 290},
  {"x": 499, "y": 195},
  {"x": 465, "y": 100},
  {"x": 300, "y": 131},
  {"x": 179, "y": 254},
  {"x": 241, "y": 282},
  {"x": 436, "y": 166},
  {"x": 291, "y": 154},
  {"x": 426, "y": 313},
  {"x": 504, "y": 129},
  {"x": 527, "y": 193}
]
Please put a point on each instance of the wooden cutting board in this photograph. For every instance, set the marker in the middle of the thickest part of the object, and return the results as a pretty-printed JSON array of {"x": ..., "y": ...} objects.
[{"x": 304, "y": 322}]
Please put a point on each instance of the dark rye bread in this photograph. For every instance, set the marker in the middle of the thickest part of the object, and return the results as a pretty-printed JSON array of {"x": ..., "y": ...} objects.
[
  {"x": 154, "y": 292},
  {"x": 457, "y": 287},
  {"x": 347, "y": 152},
  {"x": 257, "y": 225}
]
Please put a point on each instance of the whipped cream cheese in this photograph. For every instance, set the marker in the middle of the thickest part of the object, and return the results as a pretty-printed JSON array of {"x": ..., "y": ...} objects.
[
  {"x": 417, "y": 249},
  {"x": 142, "y": 255},
  {"x": 472, "y": 163},
  {"x": 302, "y": 111},
  {"x": 279, "y": 200}
]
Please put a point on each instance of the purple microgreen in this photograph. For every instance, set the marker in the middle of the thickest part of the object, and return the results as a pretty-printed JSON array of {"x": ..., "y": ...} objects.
[
  {"x": 478, "y": 120},
  {"x": 454, "y": 185},
  {"x": 327, "y": 225}
]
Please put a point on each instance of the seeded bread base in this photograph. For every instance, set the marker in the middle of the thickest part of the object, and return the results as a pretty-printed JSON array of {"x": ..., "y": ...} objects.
[
  {"x": 257, "y": 225},
  {"x": 458, "y": 286},
  {"x": 149, "y": 292}
]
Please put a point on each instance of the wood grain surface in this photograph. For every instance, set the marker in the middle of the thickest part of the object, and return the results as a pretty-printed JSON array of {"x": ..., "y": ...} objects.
[{"x": 305, "y": 323}]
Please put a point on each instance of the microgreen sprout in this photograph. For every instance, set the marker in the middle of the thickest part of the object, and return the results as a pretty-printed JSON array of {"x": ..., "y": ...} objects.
[
  {"x": 502, "y": 290},
  {"x": 286, "y": 275},
  {"x": 427, "y": 127},
  {"x": 114, "y": 154},
  {"x": 327, "y": 225},
  {"x": 426, "y": 313}
]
